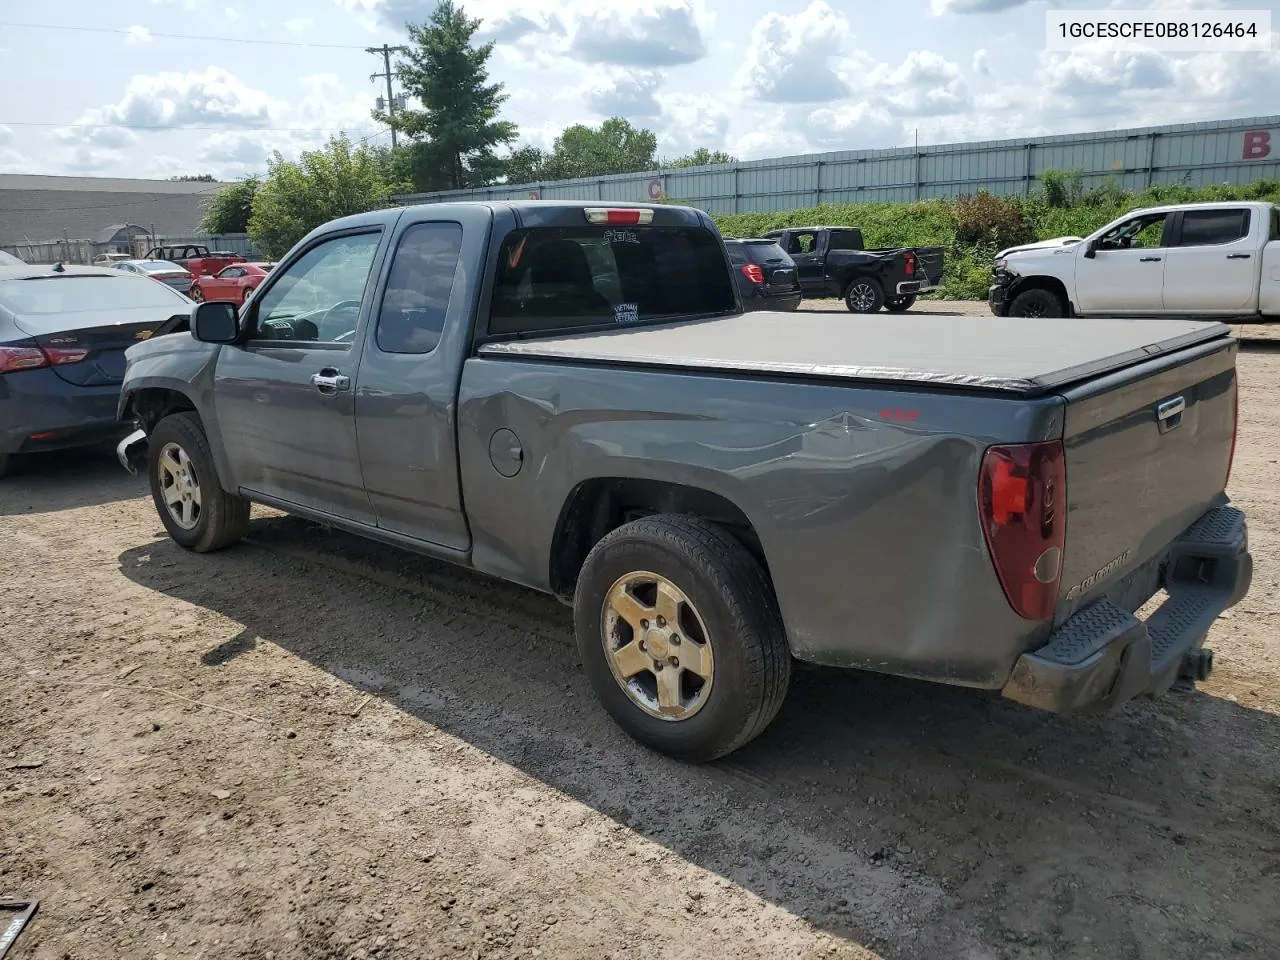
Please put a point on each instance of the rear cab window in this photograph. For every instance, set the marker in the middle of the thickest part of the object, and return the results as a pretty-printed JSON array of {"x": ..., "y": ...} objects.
[
  {"x": 564, "y": 279},
  {"x": 1207, "y": 228}
]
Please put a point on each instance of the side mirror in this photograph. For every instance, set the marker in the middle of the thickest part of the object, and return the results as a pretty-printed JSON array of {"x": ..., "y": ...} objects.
[
  {"x": 1091, "y": 249},
  {"x": 215, "y": 321}
]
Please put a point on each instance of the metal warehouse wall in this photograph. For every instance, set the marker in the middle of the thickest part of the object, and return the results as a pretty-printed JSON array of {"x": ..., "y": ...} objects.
[{"x": 1197, "y": 154}]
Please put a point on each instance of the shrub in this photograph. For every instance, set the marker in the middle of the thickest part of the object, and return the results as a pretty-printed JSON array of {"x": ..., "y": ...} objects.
[{"x": 982, "y": 218}]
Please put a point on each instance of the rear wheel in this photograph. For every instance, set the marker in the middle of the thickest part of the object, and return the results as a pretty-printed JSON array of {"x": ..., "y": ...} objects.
[
  {"x": 863, "y": 295},
  {"x": 195, "y": 510},
  {"x": 681, "y": 637},
  {"x": 1037, "y": 303},
  {"x": 900, "y": 304}
]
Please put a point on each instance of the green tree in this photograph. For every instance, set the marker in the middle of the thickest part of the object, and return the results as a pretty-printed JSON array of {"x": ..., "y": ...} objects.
[
  {"x": 454, "y": 136},
  {"x": 615, "y": 147},
  {"x": 228, "y": 210},
  {"x": 196, "y": 178},
  {"x": 296, "y": 197},
  {"x": 526, "y": 165},
  {"x": 701, "y": 158}
]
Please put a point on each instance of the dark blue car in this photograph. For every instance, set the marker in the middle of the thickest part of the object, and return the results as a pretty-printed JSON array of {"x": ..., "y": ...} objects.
[
  {"x": 63, "y": 333},
  {"x": 766, "y": 275}
]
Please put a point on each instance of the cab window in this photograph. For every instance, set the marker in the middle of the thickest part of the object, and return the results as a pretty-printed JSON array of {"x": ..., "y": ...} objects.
[{"x": 317, "y": 298}]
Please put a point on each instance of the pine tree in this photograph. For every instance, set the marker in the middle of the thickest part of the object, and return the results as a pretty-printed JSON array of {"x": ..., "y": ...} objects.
[{"x": 454, "y": 135}]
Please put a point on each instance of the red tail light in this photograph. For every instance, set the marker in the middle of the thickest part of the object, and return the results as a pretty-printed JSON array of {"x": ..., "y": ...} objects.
[
  {"x": 753, "y": 273},
  {"x": 911, "y": 264},
  {"x": 622, "y": 215},
  {"x": 1022, "y": 505},
  {"x": 1235, "y": 428},
  {"x": 14, "y": 359}
]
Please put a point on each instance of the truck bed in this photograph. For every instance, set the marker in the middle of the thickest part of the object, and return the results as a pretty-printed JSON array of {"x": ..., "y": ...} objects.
[{"x": 1005, "y": 354}]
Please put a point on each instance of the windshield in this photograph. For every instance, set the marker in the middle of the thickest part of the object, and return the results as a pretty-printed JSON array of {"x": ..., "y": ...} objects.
[
  {"x": 565, "y": 279},
  {"x": 38, "y": 296}
]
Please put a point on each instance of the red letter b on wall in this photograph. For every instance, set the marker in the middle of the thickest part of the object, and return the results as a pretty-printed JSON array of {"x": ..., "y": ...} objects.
[{"x": 1257, "y": 144}]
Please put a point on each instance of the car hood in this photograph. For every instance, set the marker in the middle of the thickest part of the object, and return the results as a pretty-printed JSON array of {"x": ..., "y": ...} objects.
[{"x": 1057, "y": 243}]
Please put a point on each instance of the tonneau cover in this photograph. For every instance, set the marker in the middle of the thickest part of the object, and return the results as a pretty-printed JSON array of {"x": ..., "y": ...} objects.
[{"x": 1011, "y": 354}]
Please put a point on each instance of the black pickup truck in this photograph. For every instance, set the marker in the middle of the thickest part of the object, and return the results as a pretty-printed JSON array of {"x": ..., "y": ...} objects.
[{"x": 834, "y": 262}]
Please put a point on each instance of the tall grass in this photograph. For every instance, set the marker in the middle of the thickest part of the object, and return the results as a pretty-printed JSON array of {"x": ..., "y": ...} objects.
[{"x": 972, "y": 229}]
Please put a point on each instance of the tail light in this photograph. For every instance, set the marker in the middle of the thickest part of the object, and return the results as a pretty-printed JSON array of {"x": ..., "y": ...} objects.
[
  {"x": 624, "y": 215},
  {"x": 1022, "y": 505},
  {"x": 1235, "y": 428},
  {"x": 753, "y": 272},
  {"x": 911, "y": 264},
  {"x": 14, "y": 359}
]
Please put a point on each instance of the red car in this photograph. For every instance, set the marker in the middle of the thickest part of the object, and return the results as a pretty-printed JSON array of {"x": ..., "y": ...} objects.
[{"x": 233, "y": 283}]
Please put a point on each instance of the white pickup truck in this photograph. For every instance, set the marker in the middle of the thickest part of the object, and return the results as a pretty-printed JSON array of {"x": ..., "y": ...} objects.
[{"x": 1191, "y": 259}]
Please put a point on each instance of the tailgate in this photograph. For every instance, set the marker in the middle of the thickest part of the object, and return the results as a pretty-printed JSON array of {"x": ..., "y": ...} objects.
[
  {"x": 1147, "y": 452},
  {"x": 929, "y": 266}
]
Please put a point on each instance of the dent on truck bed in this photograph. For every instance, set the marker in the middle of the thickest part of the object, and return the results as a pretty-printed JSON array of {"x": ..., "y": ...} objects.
[{"x": 867, "y": 523}]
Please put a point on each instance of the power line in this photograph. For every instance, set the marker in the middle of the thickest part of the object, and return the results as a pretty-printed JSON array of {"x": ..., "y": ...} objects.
[
  {"x": 182, "y": 36},
  {"x": 169, "y": 128}
]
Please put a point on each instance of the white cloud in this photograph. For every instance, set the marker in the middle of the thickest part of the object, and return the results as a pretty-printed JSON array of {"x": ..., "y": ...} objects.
[
  {"x": 232, "y": 14},
  {"x": 925, "y": 84},
  {"x": 690, "y": 121},
  {"x": 629, "y": 94},
  {"x": 645, "y": 33},
  {"x": 982, "y": 63},
  {"x": 663, "y": 35},
  {"x": 792, "y": 59},
  {"x": 298, "y": 25},
  {"x": 212, "y": 97},
  {"x": 137, "y": 35}
]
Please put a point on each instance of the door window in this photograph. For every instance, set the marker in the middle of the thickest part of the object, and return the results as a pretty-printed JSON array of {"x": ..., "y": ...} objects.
[
  {"x": 1206, "y": 228},
  {"x": 317, "y": 298},
  {"x": 230, "y": 272},
  {"x": 1140, "y": 233},
  {"x": 419, "y": 285}
]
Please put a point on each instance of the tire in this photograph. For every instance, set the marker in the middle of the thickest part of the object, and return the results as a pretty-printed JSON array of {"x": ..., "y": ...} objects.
[
  {"x": 900, "y": 304},
  {"x": 1038, "y": 303},
  {"x": 744, "y": 663},
  {"x": 863, "y": 295},
  {"x": 177, "y": 446},
  {"x": 196, "y": 294}
]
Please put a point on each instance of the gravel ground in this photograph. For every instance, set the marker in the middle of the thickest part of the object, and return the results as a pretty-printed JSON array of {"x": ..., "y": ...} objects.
[{"x": 310, "y": 746}]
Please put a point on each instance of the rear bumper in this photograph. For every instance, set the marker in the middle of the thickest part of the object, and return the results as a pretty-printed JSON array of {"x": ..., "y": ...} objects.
[
  {"x": 41, "y": 411},
  {"x": 1104, "y": 655},
  {"x": 772, "y": 301},
  {"x": 907, "y": 288}
]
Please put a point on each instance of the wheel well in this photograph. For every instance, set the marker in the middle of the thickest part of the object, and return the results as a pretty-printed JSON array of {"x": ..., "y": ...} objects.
[
  {"x": 1051, "y": 284},
  {"x": 150, "y": 405},
  {"x": 601, "y": 505}
]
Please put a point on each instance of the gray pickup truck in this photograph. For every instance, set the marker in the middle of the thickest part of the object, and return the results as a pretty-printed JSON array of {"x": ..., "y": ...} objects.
[{"x": 570, "y": 397}]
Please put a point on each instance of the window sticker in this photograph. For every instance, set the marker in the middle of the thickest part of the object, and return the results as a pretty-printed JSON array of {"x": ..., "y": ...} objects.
[{"x": 626, "y": 312}]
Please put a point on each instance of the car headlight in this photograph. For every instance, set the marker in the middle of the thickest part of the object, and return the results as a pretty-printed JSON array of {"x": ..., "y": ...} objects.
[{"x": 1000, "y": 265}]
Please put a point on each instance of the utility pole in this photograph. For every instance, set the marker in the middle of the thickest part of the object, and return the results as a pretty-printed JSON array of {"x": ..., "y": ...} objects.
[{"x": 386, "y": 52}]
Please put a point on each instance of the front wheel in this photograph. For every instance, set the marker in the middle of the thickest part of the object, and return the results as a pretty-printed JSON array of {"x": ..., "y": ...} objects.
[
  {"x": 197, "y": 294},
  {"x": 681, "y": 637},
  {"x": 197, "y": 513},
  {"x": 900, "y": 304},
  {"x": 1037, "y": 304},
  {"x": 863, "y": 295}
]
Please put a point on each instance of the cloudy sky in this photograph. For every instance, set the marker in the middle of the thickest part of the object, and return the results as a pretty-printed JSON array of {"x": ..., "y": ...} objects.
[{"x": 154, "y": 88}]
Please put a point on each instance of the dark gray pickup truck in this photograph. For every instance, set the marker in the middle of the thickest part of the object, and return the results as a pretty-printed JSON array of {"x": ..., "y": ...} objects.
[{"x": 570, "y": 397}]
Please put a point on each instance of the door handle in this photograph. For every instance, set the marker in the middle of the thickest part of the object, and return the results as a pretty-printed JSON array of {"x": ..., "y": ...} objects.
[
  {"x": 330, "y": 381},
  {"x": 1238, "y": 256},
  {"x": 1148, "y": 259}
]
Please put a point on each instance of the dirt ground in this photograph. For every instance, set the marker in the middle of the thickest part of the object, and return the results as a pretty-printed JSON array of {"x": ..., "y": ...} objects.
[{"x": 313, "y": 747}]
